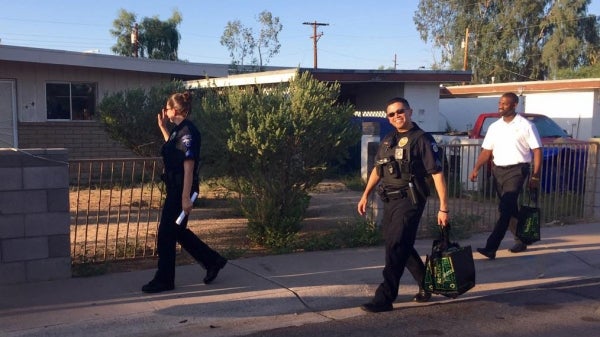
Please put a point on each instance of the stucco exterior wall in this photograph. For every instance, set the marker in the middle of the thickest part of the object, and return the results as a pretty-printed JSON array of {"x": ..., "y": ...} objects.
[{"x": 31, "y": 79}]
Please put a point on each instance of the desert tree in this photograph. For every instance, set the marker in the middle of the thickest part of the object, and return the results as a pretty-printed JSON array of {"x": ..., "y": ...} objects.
[{"x": 245, "y": 47}]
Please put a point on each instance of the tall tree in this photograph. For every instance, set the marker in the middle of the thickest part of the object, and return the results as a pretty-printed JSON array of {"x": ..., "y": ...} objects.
[
  {"x": 566, "y": 46},
  {"x": 156, "y": 39},
  {"x": 242, "y": 43},
  {"x": 268, "y": 44},
  {"x": 122, "y": 30},
  {"x": 512, "y": 40}
]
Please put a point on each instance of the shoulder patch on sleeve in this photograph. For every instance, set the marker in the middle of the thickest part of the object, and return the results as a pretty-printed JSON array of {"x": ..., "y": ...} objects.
[{"x": 187, "y": 140}]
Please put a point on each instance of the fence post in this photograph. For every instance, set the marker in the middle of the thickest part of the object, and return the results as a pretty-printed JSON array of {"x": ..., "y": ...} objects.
[
  {"x": 592, "y": 202},
  {"x": 369, "y": 145}
]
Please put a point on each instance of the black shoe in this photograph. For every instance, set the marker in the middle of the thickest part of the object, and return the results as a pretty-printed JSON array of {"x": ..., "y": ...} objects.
[
  {"x": 374, "y": 307},
  {"x": 518, "y": 247},
  {"x": 422, "y": 296},
  {"x": 212, "y": 272},
  {"x": 490, "y": 255},
  {"x": 156, "y": 287}
]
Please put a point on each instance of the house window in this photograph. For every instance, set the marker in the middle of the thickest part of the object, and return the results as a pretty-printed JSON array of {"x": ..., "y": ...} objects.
[{"x": 70, "y": 101}]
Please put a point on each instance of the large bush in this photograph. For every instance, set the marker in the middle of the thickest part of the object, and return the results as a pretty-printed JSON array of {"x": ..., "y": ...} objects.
[{"x": 280, "y": 141}]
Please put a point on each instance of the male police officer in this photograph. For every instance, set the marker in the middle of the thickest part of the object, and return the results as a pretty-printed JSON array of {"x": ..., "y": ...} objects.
[{"x": 404, "y": 159}]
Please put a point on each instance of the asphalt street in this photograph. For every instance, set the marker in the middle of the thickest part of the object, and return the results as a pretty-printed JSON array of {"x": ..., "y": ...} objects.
[{"x": 559, "y": 310}]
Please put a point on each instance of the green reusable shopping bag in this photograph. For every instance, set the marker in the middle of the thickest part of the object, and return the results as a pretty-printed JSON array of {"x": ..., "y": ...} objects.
[
  {"x": 449, "y": 270},
  {"x": 528, "y": 224}
]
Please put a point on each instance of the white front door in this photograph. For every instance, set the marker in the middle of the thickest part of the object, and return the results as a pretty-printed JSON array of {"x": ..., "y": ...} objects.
[{"x": 8, "y": 114}]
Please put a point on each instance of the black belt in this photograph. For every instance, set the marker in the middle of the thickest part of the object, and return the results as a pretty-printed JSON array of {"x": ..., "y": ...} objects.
[{"x": 512, "y": 166}]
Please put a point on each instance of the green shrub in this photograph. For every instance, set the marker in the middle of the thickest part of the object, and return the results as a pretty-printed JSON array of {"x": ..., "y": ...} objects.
[{"x": 279, "y": 142}]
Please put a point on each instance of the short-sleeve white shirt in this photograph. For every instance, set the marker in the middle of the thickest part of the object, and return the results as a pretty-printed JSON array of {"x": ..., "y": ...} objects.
[{"x": 511, "y": 143}]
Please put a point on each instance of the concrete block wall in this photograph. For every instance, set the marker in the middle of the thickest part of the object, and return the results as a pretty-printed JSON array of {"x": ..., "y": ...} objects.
[
  {"x": 83, "y": 139},
  {"x": 593, "y": 187},
  {"x": 34, "y": 215},
  {"x": 369, "y": 145}
]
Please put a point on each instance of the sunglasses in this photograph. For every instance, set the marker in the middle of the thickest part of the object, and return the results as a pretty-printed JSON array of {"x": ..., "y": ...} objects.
[{"x": 397, "y": 112}]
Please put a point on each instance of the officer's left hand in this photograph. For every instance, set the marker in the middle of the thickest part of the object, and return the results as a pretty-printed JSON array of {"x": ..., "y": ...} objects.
[
  {"x": 443, "y": 219},
  {"x": 186, "y": 205},
  {"x": 534, "y": 183}
]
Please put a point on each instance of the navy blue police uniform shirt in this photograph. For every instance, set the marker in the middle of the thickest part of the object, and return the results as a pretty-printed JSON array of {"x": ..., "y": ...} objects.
[
  {"x": 183, "y": 144},
  {"x": 422, "y": 147},
  {"x": 429, "y": 153}
]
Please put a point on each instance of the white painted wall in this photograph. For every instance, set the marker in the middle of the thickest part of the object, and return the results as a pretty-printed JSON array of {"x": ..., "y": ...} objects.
[
  {"x": 424, "y": 100},
  {"x": 460, "y": 113},
  {"x": 573, "y": 111}
]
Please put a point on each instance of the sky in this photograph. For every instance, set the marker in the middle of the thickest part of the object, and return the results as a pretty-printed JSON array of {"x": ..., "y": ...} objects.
[{"x": 358, "y": 35}]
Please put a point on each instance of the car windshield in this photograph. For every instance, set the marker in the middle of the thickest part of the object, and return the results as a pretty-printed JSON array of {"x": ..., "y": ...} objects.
[{"x": 547, "y": 128}]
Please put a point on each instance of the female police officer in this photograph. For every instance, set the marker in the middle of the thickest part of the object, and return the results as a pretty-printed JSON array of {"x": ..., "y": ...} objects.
[
  {"x": 404, "y": 158},
  {"x": 181, "y": 164}
]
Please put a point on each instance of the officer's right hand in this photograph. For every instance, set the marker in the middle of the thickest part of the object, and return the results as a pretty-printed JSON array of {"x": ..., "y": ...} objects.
[
  {"x": 362, "y": 206},
  {"x": 162, "y": 119},
  {"x": 473, "y": 175}
]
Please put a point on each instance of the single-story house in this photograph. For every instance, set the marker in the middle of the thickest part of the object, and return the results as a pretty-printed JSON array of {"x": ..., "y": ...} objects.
[
  {"x": 574, "y": 104},
  {"x": 48, "y": 98},
  {"x": 367, "y": 90}
]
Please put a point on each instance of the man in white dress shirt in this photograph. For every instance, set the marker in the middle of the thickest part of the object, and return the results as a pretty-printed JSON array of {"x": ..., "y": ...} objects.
[{"x": 513, "y": 142}]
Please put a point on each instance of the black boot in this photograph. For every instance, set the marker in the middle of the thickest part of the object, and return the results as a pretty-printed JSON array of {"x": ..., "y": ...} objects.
[
  {"x": 422, "y": 296},
  {"x": 155, "y": 286},
  {"x": 212, "y": 272}
]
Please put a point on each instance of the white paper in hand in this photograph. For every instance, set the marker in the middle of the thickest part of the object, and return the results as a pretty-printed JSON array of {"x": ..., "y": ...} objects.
[{"x": 182, "y": 214}]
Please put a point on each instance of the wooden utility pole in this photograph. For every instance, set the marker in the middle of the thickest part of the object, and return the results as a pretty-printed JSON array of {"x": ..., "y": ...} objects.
[
  {"x": 315, "y": 37},
  {"x": 466, "y": 48},
  {"x": 134, "y": 40}
]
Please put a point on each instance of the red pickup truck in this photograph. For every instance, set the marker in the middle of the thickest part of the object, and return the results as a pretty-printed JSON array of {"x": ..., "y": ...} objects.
[{"x": 549, "y": 131}]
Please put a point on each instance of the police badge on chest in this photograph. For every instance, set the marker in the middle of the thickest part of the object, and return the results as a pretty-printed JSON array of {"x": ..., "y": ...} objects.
[{"x": 399, "y": 151}]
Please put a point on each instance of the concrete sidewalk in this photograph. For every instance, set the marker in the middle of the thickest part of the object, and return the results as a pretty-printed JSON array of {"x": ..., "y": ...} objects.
[{"x": 264, "y": 293}]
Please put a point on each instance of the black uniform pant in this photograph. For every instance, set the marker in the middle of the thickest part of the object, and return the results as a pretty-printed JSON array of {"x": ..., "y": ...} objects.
[
  {"x": 509, "y": 182},
  {"x": 169, "y": 233},
  {"x": 400, "y": 223}
]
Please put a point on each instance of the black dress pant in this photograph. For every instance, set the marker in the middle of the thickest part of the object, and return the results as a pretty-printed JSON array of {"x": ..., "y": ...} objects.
[
  {"x": 169, "y": 233},
  {"x": 400, "y": 223},
  {"x": 509, "y": 185}
]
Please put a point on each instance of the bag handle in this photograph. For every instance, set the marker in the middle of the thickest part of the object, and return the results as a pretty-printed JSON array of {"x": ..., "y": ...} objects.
[
  {"x": 445, "y": 234},
  {"x": 533, "y": 196}
]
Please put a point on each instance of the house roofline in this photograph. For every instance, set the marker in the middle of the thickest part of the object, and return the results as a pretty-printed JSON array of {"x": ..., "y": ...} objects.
[
  {"x": 519, "y": 87},
  {"x": 338, "y": 75},
  {"x": 103, "y": 61}
]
